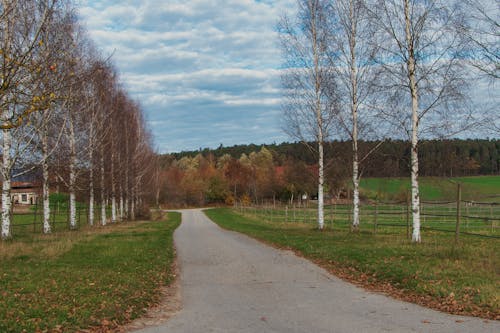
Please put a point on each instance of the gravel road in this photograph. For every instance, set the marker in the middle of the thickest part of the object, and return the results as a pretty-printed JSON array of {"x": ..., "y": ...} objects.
[{"x": 232, "y": 283}]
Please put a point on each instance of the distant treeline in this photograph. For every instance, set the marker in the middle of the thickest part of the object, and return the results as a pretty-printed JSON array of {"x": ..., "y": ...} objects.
[{"x": 441, "y": 158}]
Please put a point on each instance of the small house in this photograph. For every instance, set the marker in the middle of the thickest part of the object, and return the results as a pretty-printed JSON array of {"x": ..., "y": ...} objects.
[{"x": 24, "y": 193}]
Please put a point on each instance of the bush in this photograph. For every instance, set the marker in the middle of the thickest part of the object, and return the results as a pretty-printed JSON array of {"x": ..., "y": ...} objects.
[{"x": 144, "y": 212}]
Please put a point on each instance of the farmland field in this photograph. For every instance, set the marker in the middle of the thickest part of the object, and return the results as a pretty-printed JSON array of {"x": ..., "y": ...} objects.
[{"x": 434, "y": 188}]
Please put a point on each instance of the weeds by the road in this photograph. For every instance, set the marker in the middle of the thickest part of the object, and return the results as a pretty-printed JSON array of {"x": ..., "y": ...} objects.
[
  {"x": 461, "y": 279},
  {"x": 74, "y": 280}
]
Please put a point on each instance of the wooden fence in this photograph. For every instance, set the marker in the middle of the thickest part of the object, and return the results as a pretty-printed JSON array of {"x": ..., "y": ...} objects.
[{"x": 459, "y": 217}]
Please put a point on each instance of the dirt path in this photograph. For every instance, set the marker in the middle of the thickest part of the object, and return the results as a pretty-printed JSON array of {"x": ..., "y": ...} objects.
[{"x": 232, "y": 283}]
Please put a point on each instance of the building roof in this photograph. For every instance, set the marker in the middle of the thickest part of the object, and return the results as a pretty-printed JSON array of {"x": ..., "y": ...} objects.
[{"x": 24, "y": 185}]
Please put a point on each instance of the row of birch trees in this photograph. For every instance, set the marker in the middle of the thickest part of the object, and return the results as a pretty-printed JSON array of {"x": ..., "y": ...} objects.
[
  {"x": 65, "y": 116},
  {"x": 385, "y": 68}
]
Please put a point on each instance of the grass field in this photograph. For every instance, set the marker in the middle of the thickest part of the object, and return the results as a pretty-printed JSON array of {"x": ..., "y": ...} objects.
[
  {"x": 31, "y": 219},
  {"x": 434, "y": 188},
  {"x": 87, "y": 278},
  {"x": 459, "y": 279},
  {"x": 475, "y": 219}
]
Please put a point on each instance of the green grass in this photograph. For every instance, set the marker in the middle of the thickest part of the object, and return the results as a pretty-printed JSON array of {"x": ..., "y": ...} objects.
[
  {"x": 91, "y": 277},
  {"x": 481, "y": 187},
  {"x": 469, "y": 274},
  {"x": 482, "y": 220},
  {"x": 30, "y": 222},
  {"x": 432, "y": 188}
]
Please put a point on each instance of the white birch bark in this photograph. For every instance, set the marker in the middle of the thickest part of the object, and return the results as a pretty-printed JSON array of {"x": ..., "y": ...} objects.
[
  {"x": 354, "y": 112},
  {"x": 91, "y": 174},
  {"x": 321, "y": 180},
  {"x": 103, "y": 197},
  {"x": 126, "y": 207},
  {"x": 319, "y": 117},
  {"x": 6, "y": 184},
  {"x": 72, "y": 175},
  {"x": 127, "y": 177},
  {"x": 132, "y": 208},
  {"x": 113, "y": 209},
  {"x": 355, "y": 182},
  {"x": 121, "y": 204},
  {"x": 113, "y": 189},
  {"x": 45, "y": 185},
  {"x": 415, "y": 197},
  {"x": 91, "y": 199}
]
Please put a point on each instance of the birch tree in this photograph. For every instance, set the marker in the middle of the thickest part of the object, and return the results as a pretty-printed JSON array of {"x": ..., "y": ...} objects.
[
  {"x": 21, "y": 24},
  {"x": 105, "y": 90},
  {"x": 309, "y": 108},
  {"x": 353, "y": 55},
  {"x": 77, "y": 71},
  {"x": 423, "y": 75},
  {"x": 96, "y": 88},
  {"x": 43, "y": 123}
]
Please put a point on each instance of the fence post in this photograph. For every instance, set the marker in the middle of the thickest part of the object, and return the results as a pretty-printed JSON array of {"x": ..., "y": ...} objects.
[{"x": 459, "y": 199}]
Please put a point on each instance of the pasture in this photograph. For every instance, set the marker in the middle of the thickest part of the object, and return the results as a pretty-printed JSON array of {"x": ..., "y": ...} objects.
[{"x": 484, "y": 188}]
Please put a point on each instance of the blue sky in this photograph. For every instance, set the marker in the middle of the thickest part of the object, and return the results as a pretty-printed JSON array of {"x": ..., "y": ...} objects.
[{"x": 205, "y": 72}]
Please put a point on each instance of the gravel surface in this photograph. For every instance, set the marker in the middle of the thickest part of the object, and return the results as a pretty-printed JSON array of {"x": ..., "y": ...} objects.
[{"x": 232, "y": 283}]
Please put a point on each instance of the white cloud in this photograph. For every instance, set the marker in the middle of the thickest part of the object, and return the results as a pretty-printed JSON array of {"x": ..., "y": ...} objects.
[{"x": 204, "y": 64}]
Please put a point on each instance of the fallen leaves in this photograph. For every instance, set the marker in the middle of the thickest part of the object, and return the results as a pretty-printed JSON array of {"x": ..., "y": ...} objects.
[{"x": 449, "y": 304}]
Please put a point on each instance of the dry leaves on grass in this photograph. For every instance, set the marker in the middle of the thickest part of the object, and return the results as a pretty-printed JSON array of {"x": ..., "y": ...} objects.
[{"x": 447, "y": 304}]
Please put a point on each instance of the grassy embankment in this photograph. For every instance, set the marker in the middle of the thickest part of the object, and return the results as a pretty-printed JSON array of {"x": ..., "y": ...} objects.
[
  {"x": 461, "y": 279},
  {"x": 87, "y": 278}
]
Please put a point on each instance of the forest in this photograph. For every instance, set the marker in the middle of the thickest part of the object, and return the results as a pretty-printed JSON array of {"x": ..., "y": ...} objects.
[{"x": 284, "y": 171}]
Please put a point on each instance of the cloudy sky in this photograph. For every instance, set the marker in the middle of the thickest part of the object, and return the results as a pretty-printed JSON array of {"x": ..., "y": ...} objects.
[{"x": 206, "y": 72}]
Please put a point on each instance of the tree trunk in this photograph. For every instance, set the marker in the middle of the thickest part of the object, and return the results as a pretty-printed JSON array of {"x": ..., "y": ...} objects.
[
  {"x": 157, "y": 197},
  {"x": 91, "y": 197},
  {"x": 121, "y": 204},
  {"x": 132, "y": 206},
  {"x": 6, "y": 185},
  {"x": 45, "y": 186},
  {"x": 415, "y": 197},
  {"x": 113, "y": 209},
  {"x": 103, "y": 197},
  {"x": 91, "y": 174},
  {"x": 354, "y": 112},
  {"x": 126, "y": 207},
  {"x": 319, "y": 117},
  {"x": 113, "y": 190},
  {"x": 355, "y": 199},
  {"x": 72, "y": 176},
  {"x": 321, "y": 180},
  {"x": 127, "y": 177}
]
